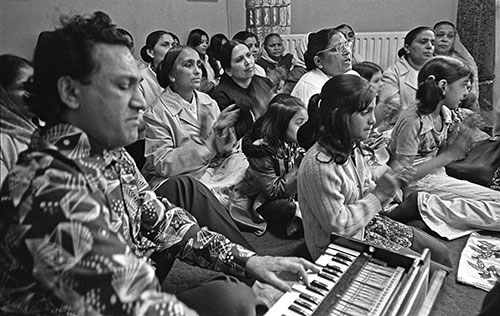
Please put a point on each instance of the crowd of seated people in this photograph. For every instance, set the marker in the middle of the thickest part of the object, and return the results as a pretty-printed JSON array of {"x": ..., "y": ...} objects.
[{"x": 234, "y": 137}]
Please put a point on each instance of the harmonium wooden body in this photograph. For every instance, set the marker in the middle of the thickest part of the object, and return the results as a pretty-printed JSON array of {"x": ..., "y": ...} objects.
[{"x": 357, "y": 278}]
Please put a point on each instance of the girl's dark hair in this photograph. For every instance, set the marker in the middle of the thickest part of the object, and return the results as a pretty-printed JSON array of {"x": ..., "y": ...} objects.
[
  {"x": 341, "y": 96},
  {"x": 213, "y": 52},
  {"x": 273, "y": 125},
  {"x": 440, "y": 67},
  {"x": 367, "y": 69},
  {"x": 69, "y": 51},
  {"x": 194, "y": 38},
  {"x": 215, "y": 45},
  {"x": 243, "y": 35},
  {"x": 151, "y": 41},
  {"x": 411, "y": 36},
  {"x": 10, "y": 67},
  {"x": 226, "y": 53},
  {"x": 317, "y": 42},
  {"x": 167, "y": 64}
]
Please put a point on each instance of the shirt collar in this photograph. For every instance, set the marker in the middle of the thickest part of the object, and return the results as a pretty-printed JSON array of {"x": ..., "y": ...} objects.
[
  {"x": 428, "y": 124},
  {"x": 174, "y": 103},
  {"x": 71, "y": 142}
]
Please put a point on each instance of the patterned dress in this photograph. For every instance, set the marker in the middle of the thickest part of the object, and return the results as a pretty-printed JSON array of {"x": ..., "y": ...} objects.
[{"x": 76, "y": 231}]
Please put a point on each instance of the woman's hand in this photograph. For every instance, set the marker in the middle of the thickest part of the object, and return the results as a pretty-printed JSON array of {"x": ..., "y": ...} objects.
[
  {"x": 387, "y": 186},
  {"x": 277, "y": 271},
  {"x": 227, "y": 118}
]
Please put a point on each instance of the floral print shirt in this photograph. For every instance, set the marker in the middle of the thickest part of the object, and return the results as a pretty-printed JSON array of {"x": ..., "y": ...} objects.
[{"x": 76, "y": 231}]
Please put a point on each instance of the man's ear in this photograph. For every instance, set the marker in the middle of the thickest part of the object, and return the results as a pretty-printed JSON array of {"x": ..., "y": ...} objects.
[
  {"x": 317, "y": 62},
  {"x": 69, "y": 90},
  {"x": 228, "y": 72}
]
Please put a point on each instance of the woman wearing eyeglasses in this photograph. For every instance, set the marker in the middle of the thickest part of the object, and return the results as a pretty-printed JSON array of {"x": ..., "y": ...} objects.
[
  {"x": 400, "y": 80},
  {"x": 328, "y": 54}
]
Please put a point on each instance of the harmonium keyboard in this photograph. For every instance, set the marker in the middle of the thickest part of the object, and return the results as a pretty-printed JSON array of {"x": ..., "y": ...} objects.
[{"x": 357, "y": 278}]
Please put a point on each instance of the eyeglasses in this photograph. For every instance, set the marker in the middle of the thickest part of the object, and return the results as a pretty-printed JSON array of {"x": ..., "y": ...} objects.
[{"x": 337, "y": 49}]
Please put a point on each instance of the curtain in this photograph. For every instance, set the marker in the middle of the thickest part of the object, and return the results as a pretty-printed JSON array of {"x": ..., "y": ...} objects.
[
  {"x": 268, "y": 16},
  {"x": 476, "y": 26}
]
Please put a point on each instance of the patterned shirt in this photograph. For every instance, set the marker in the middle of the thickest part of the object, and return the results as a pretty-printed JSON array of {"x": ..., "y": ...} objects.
[{"x": 76, "y": 231}]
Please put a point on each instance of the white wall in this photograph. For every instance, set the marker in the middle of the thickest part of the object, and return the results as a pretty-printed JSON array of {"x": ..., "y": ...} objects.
[
  {"x": 22, "y": 20},
  {"x": 370, "y": 15}
]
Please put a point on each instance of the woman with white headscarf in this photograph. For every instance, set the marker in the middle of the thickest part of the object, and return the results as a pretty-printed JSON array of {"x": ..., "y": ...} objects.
[
  {"x": 448, "y": 44},
  {"x": 299, "y": 66}
]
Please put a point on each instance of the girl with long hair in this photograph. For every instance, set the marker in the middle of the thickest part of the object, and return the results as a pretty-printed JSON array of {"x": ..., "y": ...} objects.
[
  {"x": 433, "y": 134},
  {"x": 337, "y": 193},
  {"x": 270, "y": 182}
]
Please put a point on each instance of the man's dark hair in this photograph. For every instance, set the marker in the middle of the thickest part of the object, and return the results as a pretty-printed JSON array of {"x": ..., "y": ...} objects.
[{"x": 68, "y": 51}]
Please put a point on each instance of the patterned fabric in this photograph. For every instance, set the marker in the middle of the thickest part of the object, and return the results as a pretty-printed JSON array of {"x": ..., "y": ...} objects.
[
  {"x": 77, "y": 229},
  {"x": 495, "y": 182},
  {"x": 390, "y": 234},
  {"x": 479, "y": 263}
]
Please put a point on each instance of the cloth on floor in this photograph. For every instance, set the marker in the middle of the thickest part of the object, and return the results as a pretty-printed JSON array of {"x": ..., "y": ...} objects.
[{"x": 479, "y": 264}]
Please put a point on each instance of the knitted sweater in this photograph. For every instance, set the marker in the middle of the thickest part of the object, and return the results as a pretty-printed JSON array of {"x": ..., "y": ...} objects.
[{"x": 334, "y": 198}]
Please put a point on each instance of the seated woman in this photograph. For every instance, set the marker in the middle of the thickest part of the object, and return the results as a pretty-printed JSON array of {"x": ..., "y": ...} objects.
[
  {"x": 157, "y": 45},
  {"x": 448, "y": 44},
  {"x": 199, "y": 40},
  {"x": 252, "y": 42},
  {"x": 299, "y": 66},
  {"x": 371, "y": 72},
  {"x": 328, "y": 54},
  {"x": 239, "y": 85},
  {"x": 349, "y": 34},
  {"x": 269, "y": 189},
  {"x": 400, "y": 79},
  {"x": 213, "y": 53},
  {"x": 335, "y": 187},
  {"x": 185, "y": 129},
  {"x": 16, "y": 120},
  {"x": 275, "y": 60},
  {"x": 430, "y": 136}
]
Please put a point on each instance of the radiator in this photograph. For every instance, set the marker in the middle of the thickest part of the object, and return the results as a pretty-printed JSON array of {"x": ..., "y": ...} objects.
[{"x": 378, "y": 47}]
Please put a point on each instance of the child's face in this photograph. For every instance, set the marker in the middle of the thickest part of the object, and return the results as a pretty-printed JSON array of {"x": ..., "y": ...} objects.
[
  {"x": 361, "y": 123},
  {"x": 456, "y": 92},
  {"x": 376, "y": 81},
  {"x": 293, "y": 126}
]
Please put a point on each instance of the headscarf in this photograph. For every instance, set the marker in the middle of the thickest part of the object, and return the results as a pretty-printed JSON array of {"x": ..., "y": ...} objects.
[
  {"x": 12, "y": 120},
  {"x": 461, "y": 52},
  {"x": 300, "y": 49}
]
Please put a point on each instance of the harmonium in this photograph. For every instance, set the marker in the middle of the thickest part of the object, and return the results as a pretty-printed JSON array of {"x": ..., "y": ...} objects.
[{"x": 357, "y": 278}]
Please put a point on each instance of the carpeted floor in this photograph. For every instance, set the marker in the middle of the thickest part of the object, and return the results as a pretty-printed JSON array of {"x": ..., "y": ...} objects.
[{"x": 454, "y": 299}]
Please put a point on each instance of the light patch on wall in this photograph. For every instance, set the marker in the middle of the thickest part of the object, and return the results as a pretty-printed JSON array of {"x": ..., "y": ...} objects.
[{"x": 202, "y": 0}]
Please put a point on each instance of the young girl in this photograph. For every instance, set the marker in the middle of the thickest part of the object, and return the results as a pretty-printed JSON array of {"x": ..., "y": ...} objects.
[
  {"x": 431, "y": 135},
  {"x": 336, "y": 191},
  {"x": 270, "y": 183},
  {"x": 371, "y": 72}
]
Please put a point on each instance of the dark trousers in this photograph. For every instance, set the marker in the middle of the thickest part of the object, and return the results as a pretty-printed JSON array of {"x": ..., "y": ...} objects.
[
  {"x": 193, "y": 196},
  {"x": 223, "y": 295}
]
